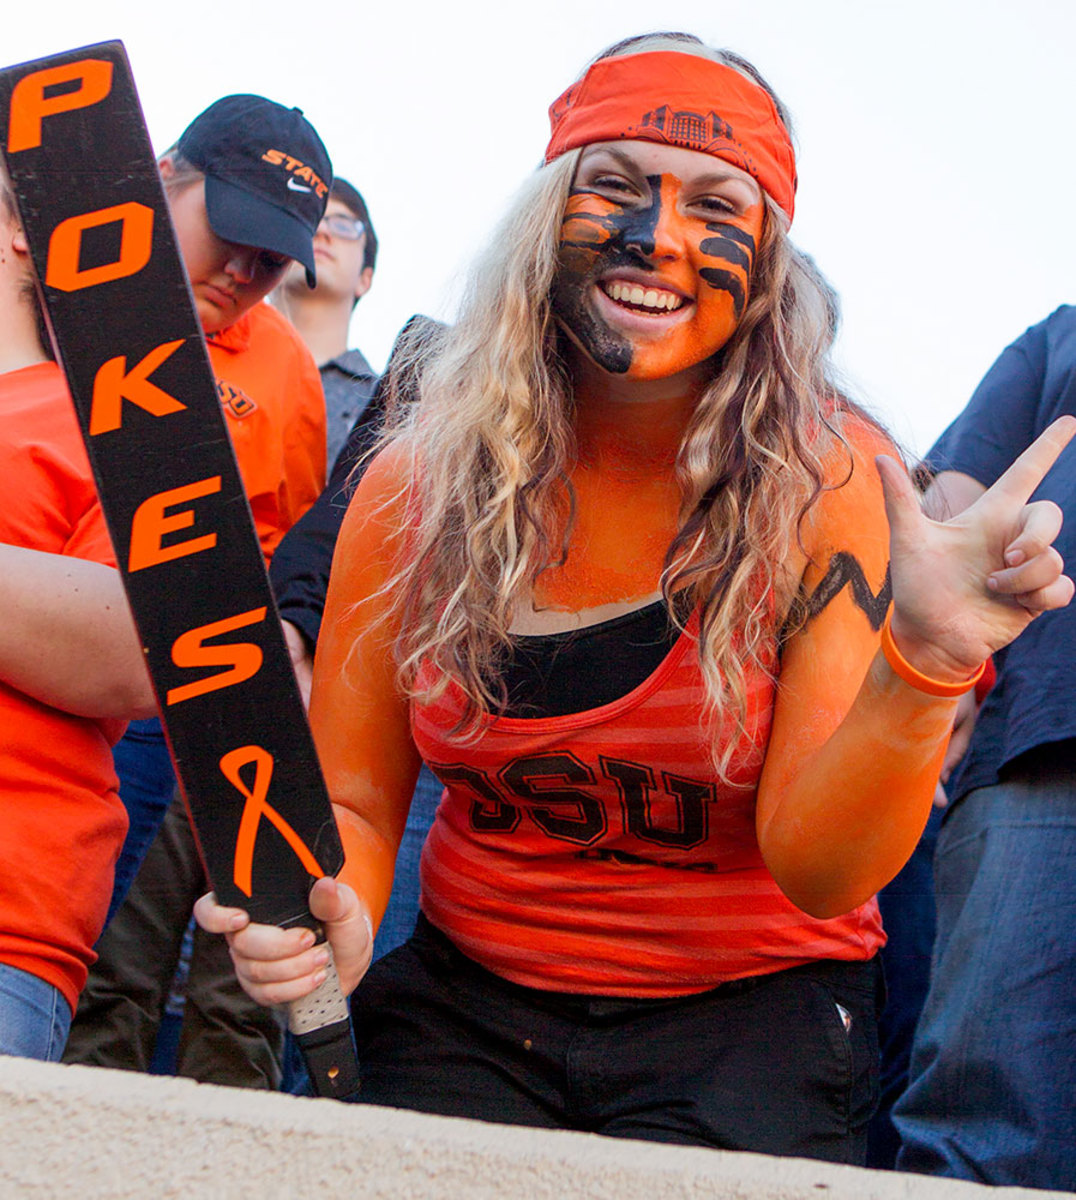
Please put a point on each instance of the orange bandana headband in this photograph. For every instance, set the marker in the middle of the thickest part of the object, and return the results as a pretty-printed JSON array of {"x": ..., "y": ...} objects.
[{"x": 681, "y": 100}]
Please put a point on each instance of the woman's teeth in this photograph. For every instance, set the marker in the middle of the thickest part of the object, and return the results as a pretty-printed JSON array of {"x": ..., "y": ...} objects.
[{"x": 650, "y": 299}]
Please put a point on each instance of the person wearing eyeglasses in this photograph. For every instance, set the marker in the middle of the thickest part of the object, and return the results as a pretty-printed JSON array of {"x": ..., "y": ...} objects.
[{"x": 345, "y": 248}]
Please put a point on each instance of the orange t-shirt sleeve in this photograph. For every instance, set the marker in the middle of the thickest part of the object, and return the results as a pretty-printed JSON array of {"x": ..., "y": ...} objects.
[
  {"x": 854, "y": 753},
  {"x": 360, "y": 719},
  {"x": 89, "y": 537},
  {"x": 61, "y": 821}
]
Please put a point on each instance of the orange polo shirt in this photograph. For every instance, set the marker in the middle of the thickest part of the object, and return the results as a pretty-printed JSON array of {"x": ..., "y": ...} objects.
[
  {"x": 61, "y": 819},
  {"x": 274, "y": 406}
]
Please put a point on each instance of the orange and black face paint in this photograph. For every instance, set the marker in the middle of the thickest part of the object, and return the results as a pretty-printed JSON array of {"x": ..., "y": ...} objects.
[
  {"x": 597, "y": 236},
  {"x": 707, "y": 264}
]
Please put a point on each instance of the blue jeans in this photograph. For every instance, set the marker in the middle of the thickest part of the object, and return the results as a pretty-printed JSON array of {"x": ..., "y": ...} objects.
[
  {"x": 147, "y": 784},
  {"x": 398, "y": 923},
  {"x": 34, "y": 1017},
  {"x": 907, "y": 906},
  {"x": 993, "y": 1072}
]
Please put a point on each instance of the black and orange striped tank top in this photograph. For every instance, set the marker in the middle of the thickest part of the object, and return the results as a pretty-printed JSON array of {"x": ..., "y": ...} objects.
[{"x": 598, "y": 852}]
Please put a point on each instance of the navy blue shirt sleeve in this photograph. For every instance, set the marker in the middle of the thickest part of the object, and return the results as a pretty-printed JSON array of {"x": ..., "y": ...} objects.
[
  {"x": 1001, "y": 418},
  {"x": 299, "y": 571}
]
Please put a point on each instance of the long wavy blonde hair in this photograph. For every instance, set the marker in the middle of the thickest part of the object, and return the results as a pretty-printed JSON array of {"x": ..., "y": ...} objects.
[{"x": 492, "y": 445}]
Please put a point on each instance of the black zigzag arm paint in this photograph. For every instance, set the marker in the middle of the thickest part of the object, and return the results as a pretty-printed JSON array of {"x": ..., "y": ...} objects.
[{"x": 844, "y": 569}]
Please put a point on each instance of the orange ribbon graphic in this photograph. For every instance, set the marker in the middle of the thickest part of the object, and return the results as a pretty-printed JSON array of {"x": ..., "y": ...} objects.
[{"x": 256, "y": 807}]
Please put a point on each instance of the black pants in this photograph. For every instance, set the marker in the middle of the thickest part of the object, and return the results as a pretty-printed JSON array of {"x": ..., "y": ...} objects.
[
  {"x": 781, "y": 1064},
  {"x": 226, "y": 1038}
]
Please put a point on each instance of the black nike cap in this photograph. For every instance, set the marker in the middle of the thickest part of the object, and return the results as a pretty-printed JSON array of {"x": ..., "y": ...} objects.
[{"x": 267, "y": 172}]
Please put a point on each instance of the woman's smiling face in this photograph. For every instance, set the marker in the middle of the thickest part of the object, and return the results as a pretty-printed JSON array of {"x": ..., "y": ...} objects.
[{"x": 656, "y": 254}]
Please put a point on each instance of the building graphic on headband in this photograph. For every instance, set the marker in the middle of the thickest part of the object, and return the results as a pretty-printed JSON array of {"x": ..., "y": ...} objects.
[{"x": 690, "y": 129}]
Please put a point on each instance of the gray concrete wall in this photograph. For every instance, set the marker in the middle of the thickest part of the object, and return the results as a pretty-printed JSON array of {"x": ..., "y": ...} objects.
[{"x": 76, "y": 1132}]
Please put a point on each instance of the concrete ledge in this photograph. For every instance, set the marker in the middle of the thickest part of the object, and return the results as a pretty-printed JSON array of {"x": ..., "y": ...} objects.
[{"x": 76, "y": 1131}]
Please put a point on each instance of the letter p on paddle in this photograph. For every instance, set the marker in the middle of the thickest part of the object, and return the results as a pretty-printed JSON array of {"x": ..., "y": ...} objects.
[{"x": 30, "y": 104}]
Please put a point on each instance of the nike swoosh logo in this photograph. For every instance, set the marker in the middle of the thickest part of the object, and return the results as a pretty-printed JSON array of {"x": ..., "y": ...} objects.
[{"x": 297, "y": 187}]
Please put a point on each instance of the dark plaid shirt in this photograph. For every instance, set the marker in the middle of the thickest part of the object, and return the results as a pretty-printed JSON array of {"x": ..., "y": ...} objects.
[{"x": 349, "y": 382}]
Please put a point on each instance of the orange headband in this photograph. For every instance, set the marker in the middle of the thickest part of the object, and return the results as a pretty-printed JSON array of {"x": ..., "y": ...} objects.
[{"x": 667, "y": 96}]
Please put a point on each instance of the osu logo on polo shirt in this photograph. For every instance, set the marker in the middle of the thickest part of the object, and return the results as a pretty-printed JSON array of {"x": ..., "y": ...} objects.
[{"x": 236, "y": 402}]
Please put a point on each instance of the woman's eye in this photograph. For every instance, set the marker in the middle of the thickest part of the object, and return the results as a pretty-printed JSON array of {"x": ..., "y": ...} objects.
[
  {"x": 612, "y": 183},
  {"x": 717, "y": 204}
]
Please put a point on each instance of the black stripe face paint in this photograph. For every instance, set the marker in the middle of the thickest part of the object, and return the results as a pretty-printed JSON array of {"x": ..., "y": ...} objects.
[
  {"x": 736, "y": 248},
  {"x": 655, "y": 266}
]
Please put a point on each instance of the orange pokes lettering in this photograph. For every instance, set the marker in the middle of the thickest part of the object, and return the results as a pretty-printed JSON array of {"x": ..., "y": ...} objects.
[
  {"x": 30, "y": 105},
  {"x": 150, "y": 524},
  {"x": 243, "y": 658},
  {"x": 65, "y": 247},
  {"x": 256, "y": 807},
  {"x": 113, "y": 384}
]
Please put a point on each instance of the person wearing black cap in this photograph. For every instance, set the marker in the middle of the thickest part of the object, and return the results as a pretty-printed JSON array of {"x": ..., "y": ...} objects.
[
  {"x": 266, "y": 176},
  {"x": 247, "y": 185}
]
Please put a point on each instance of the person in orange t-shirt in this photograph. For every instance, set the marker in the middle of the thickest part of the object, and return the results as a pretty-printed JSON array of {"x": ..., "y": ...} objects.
[
  {"x": 71, "y": 673},
  {"x": 622, "y": 579},
  {"x": 247, "y": 184}
]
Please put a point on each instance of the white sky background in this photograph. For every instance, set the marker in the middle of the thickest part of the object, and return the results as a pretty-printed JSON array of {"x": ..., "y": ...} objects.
[{"x": 936, "y": 161}]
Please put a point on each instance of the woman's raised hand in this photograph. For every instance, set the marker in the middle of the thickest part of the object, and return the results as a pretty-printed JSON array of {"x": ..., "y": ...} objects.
[
  {"x": 965, "y": 588},
  {"x": 277, "y": 966}
]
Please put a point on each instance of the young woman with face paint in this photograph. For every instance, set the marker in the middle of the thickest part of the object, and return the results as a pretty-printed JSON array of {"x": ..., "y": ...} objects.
[{"x": 621, "y": 581}]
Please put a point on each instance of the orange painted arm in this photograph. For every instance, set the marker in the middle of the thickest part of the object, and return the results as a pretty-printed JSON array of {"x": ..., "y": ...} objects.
[
  {"x": 855, "y": 753},
  {"x": 359, "y": 718}
]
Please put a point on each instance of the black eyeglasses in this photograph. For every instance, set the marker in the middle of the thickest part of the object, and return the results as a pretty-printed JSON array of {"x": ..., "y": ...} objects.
[{"x": 337, "y": 225}]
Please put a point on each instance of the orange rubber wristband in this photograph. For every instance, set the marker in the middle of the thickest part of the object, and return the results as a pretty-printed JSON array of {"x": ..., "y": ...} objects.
[{"x": 922, "y": 683}]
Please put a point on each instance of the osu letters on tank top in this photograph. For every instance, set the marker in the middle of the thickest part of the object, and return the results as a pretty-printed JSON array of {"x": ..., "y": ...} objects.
[{"x": 598, "y": 852}]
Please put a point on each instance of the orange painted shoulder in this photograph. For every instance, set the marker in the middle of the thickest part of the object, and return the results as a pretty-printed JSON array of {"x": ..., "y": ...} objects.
[
  {"x": 851, "y": 476},
  {"x": 264, "y": 317},
  {"x": 378, "y": 513},
  {"x": 849, "y": 515},
  {"x": 863, "y": 440},
  {"x": 387, "y": 480}
]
